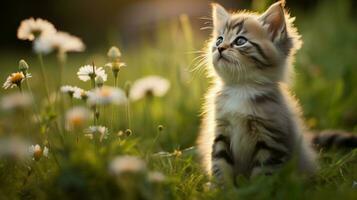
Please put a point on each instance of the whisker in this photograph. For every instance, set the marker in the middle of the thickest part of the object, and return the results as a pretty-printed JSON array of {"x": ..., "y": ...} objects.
[
  {"x": 206, "y": 18},
  {"x": 195, "y": 52},
  {"x": 206, "y": 28}
]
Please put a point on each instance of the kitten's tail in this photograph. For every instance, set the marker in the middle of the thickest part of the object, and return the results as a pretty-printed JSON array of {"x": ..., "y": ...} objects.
[{"x": 334, "y": 139}]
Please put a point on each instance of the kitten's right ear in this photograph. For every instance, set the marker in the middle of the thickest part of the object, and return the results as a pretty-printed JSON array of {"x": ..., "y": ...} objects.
[{"x": 219, "y": 16}]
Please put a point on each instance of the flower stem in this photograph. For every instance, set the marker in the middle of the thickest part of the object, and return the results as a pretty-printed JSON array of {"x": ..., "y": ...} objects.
[
  {"x": 29, "y": 172},
  {"x": 20, "y": 88},
  {"x": 112, "y": 110},
  {"x": 61, "y": 57},
  {"x": 128, "y": 113},
  {"x": 36, "y": 110},
  {"x": 94, "y": 108},
  {"x": 44, "y": 76}
]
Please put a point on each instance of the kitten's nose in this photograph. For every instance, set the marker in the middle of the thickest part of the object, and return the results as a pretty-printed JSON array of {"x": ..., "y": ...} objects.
[{"x": 221, "y": 49}]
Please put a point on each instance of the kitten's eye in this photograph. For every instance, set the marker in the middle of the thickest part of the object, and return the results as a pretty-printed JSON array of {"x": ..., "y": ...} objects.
[
  {"x": 219, "y": 40},
  {"x": 240, "y": 41}
]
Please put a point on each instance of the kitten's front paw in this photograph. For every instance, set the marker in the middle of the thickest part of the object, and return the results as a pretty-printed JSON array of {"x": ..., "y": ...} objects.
[{"x": 210, "y": 186}]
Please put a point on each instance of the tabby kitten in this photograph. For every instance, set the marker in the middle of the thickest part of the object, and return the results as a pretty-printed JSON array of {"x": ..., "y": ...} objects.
[{"x": 251, "y": 121}]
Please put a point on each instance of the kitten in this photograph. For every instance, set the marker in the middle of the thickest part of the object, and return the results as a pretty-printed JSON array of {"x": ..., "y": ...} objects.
[{"x": 252, "y": 123}]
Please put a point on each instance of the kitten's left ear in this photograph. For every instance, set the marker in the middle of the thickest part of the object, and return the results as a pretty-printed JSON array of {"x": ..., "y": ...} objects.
[
  {"x": 219, "y": 16},
  {"x": 274, "y": 20}
]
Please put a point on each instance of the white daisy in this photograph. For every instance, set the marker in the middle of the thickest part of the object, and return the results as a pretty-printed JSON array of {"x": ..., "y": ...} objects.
[
  {"x": 93, "y": 130},
  {"x": 77, "y": 118},
  {"x": 70, "y": 90},
  {"x": 67, "y": 89},
  {"x": 31, "y": 29},
  {"x": 149, "y": 86},
  {"x": 37, "y": 152},
  {"x": 87, "y": 72},
  {"x": 126, "y": 164},
  {"x": 156, "y": 177},
  {"x": 106, "y": 95},
  {"x": 69, "y": 43},
  {"x": 60, "y": 41},
  {"x": 15, "y": 79},
  {"x": 16, "y": 100},
  {"x": 79, "y": 93}
]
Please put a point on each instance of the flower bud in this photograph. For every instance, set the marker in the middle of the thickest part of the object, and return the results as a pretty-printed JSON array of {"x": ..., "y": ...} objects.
[
  {"x": 23, "y": 66},
  {"x": 37, "y": 152},
  {"x": 114, "y": 53},
  {"x": 177, "y": 153},
  {"x": 99, "y": 81},
  {"x": 128, "y": 132},
  {"x": 160, "y": 128}
]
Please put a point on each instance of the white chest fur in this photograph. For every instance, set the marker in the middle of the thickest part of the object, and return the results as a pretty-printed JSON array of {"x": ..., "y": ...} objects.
[
  {"x": 235, "y": 101},
  {"x": 233, "y": 106}
]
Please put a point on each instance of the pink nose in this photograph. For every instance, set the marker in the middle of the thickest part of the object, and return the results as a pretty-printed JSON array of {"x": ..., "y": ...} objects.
[{"x": 221, "y": 49}]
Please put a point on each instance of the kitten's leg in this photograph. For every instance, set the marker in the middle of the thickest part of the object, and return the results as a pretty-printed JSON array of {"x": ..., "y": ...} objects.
[
  {"x": 222, "y": 160},
  {"x": 267, "y": 159}
]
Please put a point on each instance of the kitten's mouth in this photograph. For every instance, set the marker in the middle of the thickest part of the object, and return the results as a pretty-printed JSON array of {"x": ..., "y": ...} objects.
[{"x": 222, "y": 58}]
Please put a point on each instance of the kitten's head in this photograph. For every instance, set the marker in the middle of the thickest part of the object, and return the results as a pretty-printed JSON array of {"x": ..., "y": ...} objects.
[{"x": 253, "y": 48}]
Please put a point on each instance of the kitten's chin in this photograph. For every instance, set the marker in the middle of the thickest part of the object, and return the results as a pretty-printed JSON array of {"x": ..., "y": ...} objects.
[{"x": 220, "y": 61}]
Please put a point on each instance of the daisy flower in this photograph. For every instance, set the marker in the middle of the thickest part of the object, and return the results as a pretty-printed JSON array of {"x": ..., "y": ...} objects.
[
  {"x": 93, "y": 130},
  {"x": 15, "y": 79},
  {"x": 156, "y": 177},
  {"x": 77, "y": 118},
  {"x": 70, "y": 90},
  {"x": 31, "y": 29},
  {"x": 87, "y": 72},
  {"x": 67, "y": 89},
  {"x": 149, "y": 86},
  {"x": 37, "y": 152},
  {"x": 106, "y": 95},
  {"x": 61, "y": 41},
  {"x": 16, "y": 100},
  {"x": 115, "y": 65},
  {"x": 126, "y": 164},
  {"x": 79, "y": 93}
]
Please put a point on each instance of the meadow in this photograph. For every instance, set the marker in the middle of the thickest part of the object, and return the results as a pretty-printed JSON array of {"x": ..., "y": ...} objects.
[{"x": 145, "y": 147}]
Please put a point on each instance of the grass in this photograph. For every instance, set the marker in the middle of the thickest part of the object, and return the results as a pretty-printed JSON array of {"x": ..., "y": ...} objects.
[{"x": 324, "y": 83}]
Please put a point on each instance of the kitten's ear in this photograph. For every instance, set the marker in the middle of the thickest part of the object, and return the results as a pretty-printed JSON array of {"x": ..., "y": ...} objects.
[
  {"x": 274, "y": 19},
  {"x": 219, "y": 16}
]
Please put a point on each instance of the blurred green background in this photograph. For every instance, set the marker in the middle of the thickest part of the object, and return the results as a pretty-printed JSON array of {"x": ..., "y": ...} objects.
[{"x": 162, "y": 37}]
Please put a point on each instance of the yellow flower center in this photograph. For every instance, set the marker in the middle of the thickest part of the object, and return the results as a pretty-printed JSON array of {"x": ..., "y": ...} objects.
[
  {"x": 104, "y": 92},
  {"x": 77, "y": 121},
  {"x": 17, "y": 77},
  {"x": 37, "y": 154},
  {"x": 177, "y": 153}
]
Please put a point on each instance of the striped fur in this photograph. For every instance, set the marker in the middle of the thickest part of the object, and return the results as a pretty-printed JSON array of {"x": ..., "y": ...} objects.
[
  {"x": 251, "y": 123},
  {"x": 334, "y": 139}
]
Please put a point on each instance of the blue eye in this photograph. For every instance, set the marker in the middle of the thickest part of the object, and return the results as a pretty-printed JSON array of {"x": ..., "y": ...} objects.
[
  {"x": 240, "y": 41},
  {"x": 219, "y": 40}
]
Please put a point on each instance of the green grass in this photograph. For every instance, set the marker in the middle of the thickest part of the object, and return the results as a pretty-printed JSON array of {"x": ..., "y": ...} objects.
[{"x": 325, "y": 84}]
